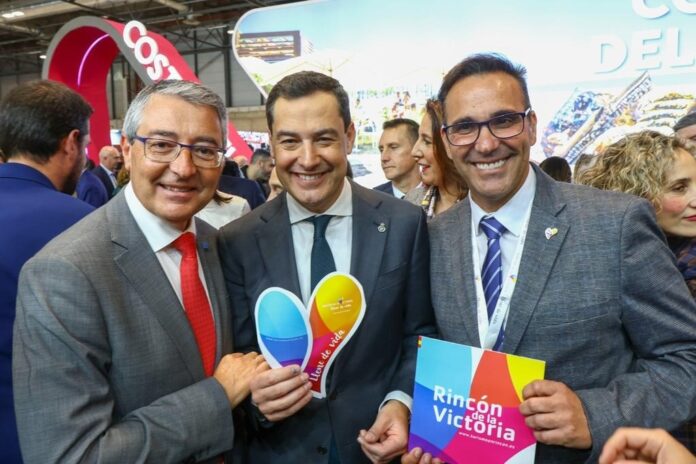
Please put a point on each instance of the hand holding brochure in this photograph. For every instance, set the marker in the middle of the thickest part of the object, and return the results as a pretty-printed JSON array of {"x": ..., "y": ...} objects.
[{"x": 465, "y": 404}]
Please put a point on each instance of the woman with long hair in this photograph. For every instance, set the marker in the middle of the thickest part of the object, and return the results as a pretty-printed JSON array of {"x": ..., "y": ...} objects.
[{"x": 442, "y": 185}]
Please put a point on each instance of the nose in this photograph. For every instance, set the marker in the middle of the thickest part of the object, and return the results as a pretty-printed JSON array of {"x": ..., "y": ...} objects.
[
  {"x": 183, "y": 165},
  {"x": 486, "y": 141},
  {"x": 309, "y": 158},
  {"x": 416, "y": 151}
]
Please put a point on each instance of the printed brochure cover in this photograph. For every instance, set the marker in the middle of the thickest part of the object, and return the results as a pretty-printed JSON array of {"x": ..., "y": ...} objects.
[{"x": 465, "y": 404}]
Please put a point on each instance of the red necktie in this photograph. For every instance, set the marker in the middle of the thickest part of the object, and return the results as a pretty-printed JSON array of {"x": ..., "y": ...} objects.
[{"x": 196, "y": 302}]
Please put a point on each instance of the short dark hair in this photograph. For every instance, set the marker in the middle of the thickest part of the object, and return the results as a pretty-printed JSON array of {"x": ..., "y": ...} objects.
[
  {"x": 556, "y": 167},
  {"x": 483, "y": 63},
  {"x": 685, "y": 121},
  {"x": 412, "y": 127},
  {"x": 35, "y": 117},
  {"x": 260, "y": 154},
  {"x": 303, "y": 84}
]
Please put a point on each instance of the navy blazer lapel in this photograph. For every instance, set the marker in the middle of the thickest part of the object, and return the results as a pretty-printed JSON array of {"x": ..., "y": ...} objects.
[
  {"x": 538, "y": 258},
  {"x": 276, "y": 247},
  {"x": 463, "y": 266},
  {"x": 370, "y": 231},
  {"x": 140, "y": 266}
]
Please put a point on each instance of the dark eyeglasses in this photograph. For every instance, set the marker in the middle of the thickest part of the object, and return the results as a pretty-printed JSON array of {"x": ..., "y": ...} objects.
[
  {"x": 166, "y": 151},
  {"x": 504, "y": 126}
]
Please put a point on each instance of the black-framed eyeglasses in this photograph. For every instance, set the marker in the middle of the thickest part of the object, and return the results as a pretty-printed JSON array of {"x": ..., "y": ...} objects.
[
  {"x": 166, "y": 151},
  {"x": 504, "y": 126}
]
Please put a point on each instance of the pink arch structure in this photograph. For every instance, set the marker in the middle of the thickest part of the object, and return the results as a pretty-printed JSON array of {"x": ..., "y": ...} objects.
[{"x": 80, "y": 56}]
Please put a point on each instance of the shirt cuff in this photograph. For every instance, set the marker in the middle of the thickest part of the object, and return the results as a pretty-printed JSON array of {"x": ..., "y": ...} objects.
[{"x": 399, "y": 396}]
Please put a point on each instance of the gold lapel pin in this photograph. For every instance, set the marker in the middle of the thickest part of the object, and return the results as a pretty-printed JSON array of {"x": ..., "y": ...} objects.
[{"x": 550, "y": 232}]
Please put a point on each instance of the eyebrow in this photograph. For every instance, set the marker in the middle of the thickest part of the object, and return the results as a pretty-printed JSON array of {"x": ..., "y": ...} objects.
[
  {"x": 319, "y": 133},
  {"x": 174, "y": 136},
  {"x": 494, "y": 115}
]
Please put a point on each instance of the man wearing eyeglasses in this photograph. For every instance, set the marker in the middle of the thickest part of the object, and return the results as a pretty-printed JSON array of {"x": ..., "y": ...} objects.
[
  {"x": 123, "y": 330},
  {"x": 577, "y": 277}
]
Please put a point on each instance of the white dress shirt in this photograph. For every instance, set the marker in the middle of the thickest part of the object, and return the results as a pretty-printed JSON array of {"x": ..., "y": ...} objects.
[
  {"x": 512, "y": 215},
  {"x": 339, "y": 235},
  {"x": 159, "y": 235},
  {"x": 397, "y": 193}
]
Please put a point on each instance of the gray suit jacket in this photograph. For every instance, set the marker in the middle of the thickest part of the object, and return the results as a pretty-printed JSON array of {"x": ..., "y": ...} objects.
[
  {"x": 601, "y": 302},
  {"x": 106, "y": 367},
  {"x": 257, "y": 253}
]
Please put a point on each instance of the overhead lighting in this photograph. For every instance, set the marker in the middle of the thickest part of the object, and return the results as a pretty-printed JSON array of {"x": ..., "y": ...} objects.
[
  {"x": 230, "y": 31},
  {"x": 13, "y": 14},
  {"x": 43, "y": 57}
]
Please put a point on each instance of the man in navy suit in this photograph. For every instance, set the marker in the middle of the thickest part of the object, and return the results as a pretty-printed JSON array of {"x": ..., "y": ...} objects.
[
  {"x": 110, "y": 161},
  {"x": 43, "y": 133},
  {"x": 381, "y": 241},
  {"x": 398, "y": 137}
]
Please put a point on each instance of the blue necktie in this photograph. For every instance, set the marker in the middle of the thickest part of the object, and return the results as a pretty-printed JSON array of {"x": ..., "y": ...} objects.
[
  {"x": 492, "y": 271},
  {"x": 322, "y": 259}
]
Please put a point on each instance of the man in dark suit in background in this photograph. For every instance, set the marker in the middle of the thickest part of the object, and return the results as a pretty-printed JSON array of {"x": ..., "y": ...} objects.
[
  {"x": 574, "y": 276},
  {"x": 44, "y": 129},
  {"x": 110, "y": 161},
  {"x": 399, "y": 166},
  {"x": 123, "y": 330},
  {"x": 379, "y": 240},
  {"x": 231, "y": 182},
  {"x": 90, "y": 188}
]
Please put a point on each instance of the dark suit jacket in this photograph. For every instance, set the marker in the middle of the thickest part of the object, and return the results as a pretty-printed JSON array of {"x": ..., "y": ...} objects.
[
  {"x": 245, "y": 188},
  {"x": 601, "y": 302},
  {"x": 90, "y": 189},
  {"x": 106, "y": 366},
  {"x": 32, "y": 212},
  {"x": 386, "y": 188},
  {"x": 257, "y": 253},
  {"x": 106, "y": 180}
]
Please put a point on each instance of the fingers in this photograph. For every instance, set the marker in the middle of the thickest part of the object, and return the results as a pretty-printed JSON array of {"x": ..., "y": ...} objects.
[
  {"x": 541, "y": 388},
  {"x": 388, "y": 436},
  {"x": 279, "y": 393}
]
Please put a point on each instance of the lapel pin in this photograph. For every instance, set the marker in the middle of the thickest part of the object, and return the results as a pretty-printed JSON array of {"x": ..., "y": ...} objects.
[
  {"x": 382, "y": 227},
  {"x": 550, "y": 232}
]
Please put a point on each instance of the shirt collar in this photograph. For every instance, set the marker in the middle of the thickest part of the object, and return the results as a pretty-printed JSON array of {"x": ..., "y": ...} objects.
[
  {"x": 158, "y": 232},
  {"x": 343, "y": 206},
  {"x": 511, "y": 214}
]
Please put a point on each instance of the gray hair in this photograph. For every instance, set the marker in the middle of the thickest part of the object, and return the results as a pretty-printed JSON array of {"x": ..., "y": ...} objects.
[{"x": 191, "y": 92}]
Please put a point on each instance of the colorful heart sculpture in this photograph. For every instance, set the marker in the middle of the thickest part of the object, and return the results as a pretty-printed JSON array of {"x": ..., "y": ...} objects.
[
  {"x": 288, "y": 333},
  {"x": 336, "y": 309},
  {"x": 282, "y": 328}
]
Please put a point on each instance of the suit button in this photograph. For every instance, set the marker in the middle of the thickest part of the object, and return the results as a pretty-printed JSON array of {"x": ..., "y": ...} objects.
[{"x": 321, "y": 450}]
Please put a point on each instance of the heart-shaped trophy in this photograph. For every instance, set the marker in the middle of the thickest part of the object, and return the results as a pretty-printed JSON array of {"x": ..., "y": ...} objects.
[{"x": 288, "y": 333}]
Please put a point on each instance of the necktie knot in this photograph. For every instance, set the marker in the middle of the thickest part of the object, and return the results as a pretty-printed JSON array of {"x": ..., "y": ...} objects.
[
  {"x": 492, "y": 228},
  {"x": 186, "y": 244},
  {"x": 320, "y": 225}
]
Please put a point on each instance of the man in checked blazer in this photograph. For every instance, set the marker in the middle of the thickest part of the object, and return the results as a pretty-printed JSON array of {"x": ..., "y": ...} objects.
[
  {"x": 597, "y": 294},
  {"x": 107, "y": 367},
  {"x": 378, "y": 239}
]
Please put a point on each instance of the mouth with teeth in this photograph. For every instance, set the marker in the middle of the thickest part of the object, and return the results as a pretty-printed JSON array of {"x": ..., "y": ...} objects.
[{"x": 489, "y": 166}]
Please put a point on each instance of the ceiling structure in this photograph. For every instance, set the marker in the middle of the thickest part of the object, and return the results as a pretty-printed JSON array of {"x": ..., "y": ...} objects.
[{"x": 27, "y": 26}]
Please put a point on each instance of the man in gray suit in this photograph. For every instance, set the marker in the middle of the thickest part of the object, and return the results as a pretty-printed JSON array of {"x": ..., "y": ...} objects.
[
  {"x": 378, "y": 239},
  {"x": 122, "y": 334},
  {"x": 577, "y": 277}
]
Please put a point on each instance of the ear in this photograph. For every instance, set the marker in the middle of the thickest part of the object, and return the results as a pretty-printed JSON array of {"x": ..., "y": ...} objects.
[
  {"x": 532, "y": 128},
  {"x": 350, "y": 138},
  {"x": 445, "y": 142},
  {"x": 126, "y": 149},
  {"x": 70, "y": 145}
]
